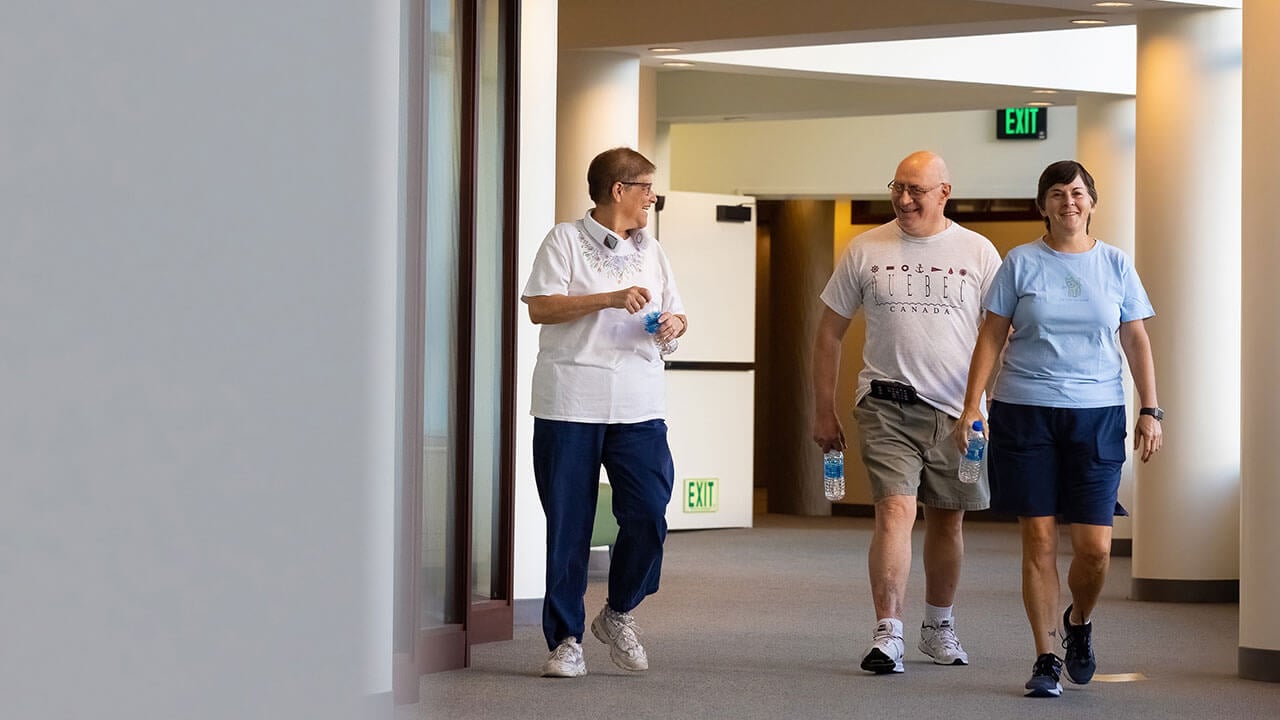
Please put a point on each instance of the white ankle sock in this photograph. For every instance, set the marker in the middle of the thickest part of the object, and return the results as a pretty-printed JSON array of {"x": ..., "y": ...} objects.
[{"x": 933, "y": 615}]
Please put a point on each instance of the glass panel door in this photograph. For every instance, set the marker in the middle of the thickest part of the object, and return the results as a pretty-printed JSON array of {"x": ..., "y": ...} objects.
[
  {"x": 487, "y": 582},
  {"x": 441, "y": 170}
]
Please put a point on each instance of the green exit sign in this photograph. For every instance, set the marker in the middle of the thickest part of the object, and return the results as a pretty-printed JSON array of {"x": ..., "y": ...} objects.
[
  {"x": 1022, "y": 123},
  {"x": 701, "y": 495}
]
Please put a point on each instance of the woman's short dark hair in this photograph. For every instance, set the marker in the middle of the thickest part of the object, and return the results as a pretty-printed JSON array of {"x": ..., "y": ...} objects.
[
  {"x": 1062, "y": 173},
  {"x": 614, "y": 165}
]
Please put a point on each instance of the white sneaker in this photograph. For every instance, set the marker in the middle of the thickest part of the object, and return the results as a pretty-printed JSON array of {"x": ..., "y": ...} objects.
[
  {"x": 620, "y": 633},
  {"x": 940, "y": 643},
  {"x": 887, "y": 649},
  {"x": 565, "y": 661}
]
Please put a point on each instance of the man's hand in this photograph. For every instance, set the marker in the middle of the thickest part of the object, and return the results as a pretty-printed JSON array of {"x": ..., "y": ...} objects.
[{"x": 827, "y": 431}]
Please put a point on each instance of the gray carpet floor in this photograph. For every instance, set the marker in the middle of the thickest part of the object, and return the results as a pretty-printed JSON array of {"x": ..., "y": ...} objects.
[{"x": 771, "y": 621}]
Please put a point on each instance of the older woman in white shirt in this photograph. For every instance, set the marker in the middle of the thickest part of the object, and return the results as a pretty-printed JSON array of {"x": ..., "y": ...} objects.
[{"x": 598, "y": 399}]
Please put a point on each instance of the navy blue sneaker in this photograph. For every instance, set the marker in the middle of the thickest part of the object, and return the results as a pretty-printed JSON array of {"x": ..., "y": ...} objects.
[
  {"x": 1080, "y": 663},
  {"x": 1044, "y": 677}
]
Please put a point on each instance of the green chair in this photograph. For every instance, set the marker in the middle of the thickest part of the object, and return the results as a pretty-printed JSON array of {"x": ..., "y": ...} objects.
[{"x": 605, "y": 529}]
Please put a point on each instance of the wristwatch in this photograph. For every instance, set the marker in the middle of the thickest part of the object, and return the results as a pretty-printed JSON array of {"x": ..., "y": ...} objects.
[{"x": 1154, "y": 412}]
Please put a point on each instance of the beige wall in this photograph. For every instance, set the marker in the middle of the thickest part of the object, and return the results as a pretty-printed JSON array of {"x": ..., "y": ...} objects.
[
  {"x": 855, "y": 156},
  {"x": 1004, "y": 235}
]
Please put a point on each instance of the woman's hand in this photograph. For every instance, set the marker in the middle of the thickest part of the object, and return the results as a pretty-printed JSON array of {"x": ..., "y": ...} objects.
[
  {"x": 1148, "y": 436},
  {"x": 961, "y": 432},
  {"x": 670, "y": 327}
]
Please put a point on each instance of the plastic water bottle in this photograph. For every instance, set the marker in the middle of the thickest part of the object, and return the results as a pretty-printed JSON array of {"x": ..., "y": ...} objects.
[
  {"x": 971, "y": 463},
  {"x": 833, "y": 474},
  {"x": 651, "y": 326}
]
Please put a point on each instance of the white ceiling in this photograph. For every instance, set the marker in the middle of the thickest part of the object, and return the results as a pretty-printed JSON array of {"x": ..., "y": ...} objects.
[{"x": 935, "y": 74}]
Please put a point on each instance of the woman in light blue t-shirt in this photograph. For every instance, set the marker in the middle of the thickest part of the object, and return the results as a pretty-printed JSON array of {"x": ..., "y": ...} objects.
[{"x": 1069, "y": 306}]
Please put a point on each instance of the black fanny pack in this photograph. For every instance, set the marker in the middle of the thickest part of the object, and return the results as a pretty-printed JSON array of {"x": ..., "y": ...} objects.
[{"x": 893, "y": 390}]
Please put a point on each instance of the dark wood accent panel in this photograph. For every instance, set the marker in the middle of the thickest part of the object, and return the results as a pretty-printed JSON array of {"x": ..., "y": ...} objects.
[
  {"x": 879, "y": 212},
  {"x": 800, "y": 262}
]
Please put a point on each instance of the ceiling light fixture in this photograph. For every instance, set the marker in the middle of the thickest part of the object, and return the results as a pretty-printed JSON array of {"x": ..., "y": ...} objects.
[
  {"x": 664, "y": 49},
  {"x": 1089, "y": 21},
  {"x": 1112, "y": 4},
  {"x": 1039, "y": 103},
  {"x": 1044, "y": 92},
  {"x": 677, "y": 64}
]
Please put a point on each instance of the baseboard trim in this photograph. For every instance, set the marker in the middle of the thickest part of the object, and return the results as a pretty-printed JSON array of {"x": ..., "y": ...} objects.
[
  {"x": 854, "y": 510},
  {"x": 1259, "y": 664},
  {"x": 862, "y": 510},
  {"x": 1186, "y": 591},
  {"x": 527, "y": 611},
  {"x": 379, "y": 705}
]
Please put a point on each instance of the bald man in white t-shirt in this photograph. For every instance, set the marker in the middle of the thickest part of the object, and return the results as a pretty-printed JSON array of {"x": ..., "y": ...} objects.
[{"x": 919, "y": 280}]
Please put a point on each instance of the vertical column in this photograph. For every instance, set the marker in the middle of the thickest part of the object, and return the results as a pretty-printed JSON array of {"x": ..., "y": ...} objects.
[
  {"x": 1105, "y": 143},
  {"x": 538, "y": 60},
  {"x": 598, "y": 107},
  {"x": 1259, "y": 490},
  {"x": 1186, "y": 529}
]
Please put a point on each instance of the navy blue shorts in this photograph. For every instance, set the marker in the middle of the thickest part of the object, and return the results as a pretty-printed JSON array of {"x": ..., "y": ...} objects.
[{"x": 1056, "y": 461}]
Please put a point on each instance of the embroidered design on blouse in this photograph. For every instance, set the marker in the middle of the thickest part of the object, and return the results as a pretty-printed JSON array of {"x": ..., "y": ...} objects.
[{"x": 616, "y": 266}]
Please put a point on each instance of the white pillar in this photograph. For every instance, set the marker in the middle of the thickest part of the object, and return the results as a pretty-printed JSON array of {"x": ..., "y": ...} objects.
[
  {"x": 1105, "y": 142},
  {"x": 537, "y": 214},
  {"x": 1186, "y": 529},
  {"x": 597, "y": 108},
  {"x": 1259, "y": 654}
]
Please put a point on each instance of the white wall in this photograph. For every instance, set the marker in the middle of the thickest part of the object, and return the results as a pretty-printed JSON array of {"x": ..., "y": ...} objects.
[
  {"x": 537, "y": 214},
  {"x": 197, "y": 285},
  {"x": 597, "y": 107},
  {"x": 856, "y": 156}
]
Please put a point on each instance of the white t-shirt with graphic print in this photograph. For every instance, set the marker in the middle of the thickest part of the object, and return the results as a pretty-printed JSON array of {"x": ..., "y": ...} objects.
[
  {"x": 923, "y": 302},
  {"x": 602, "y": 367}
]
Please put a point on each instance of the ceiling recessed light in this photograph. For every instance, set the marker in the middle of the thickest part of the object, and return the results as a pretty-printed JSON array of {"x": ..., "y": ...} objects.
[
  {"x": 664, "y": 49},
  {"x": 1044, "y": 92},
  {"x": 1112, "y": 4},
  {"x": 1039, "y": 103},
  {"x": 1089, "y": 21},
  {"x": 677, "y": 64}
]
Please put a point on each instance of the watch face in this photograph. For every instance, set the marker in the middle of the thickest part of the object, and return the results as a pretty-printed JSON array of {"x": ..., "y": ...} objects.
[{"x": 1156, "y": 413}]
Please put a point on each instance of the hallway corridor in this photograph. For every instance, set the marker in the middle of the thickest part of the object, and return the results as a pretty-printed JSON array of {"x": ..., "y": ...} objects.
[{"x": 770, "y": 622}]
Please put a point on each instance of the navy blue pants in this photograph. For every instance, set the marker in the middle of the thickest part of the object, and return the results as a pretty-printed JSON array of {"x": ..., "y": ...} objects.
[{"x": 566, "y": 464}]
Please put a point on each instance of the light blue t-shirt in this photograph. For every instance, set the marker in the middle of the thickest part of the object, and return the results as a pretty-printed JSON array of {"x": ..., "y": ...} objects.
[{"x": 1066, "y": 309}]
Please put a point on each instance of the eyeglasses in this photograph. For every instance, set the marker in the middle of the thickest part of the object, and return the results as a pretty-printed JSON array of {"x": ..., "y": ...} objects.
[
  {"x": 915, "y": 191},
  {"x": 647, "y": 187}
]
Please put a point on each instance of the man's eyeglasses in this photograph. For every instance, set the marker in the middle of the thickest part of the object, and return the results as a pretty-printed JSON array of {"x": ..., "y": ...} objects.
[
  {"x": 915, "y": 191},
  {"x": 647, "y": 187}
]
